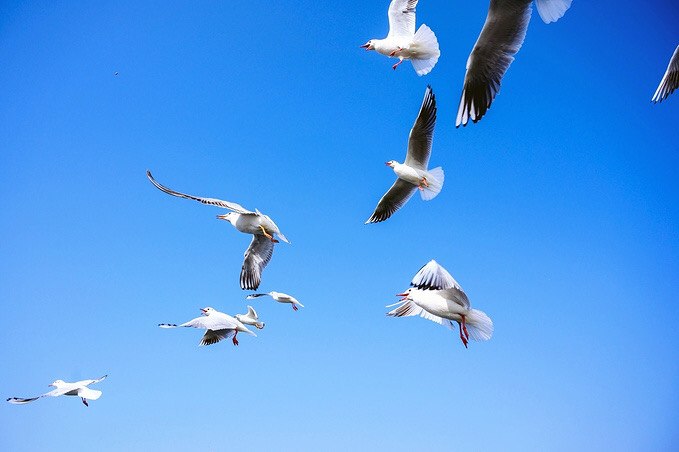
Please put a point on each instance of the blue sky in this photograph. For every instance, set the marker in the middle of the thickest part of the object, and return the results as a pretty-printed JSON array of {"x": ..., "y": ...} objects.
[{"x": 559, "y": 217}]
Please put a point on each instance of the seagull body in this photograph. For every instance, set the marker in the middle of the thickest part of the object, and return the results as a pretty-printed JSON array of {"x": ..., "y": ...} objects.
[
  {"x": 250, "y": 318},
  {"x": 79, "y": 388},
  {"x": 218, "y": 326},
  {"x": 402, "y": 42},
  {"x": 261, "y": 226},
  {"x": 413, "y": 173},
  {"x": 500, "y": 39},
  {"x": 436, "y": 296},
  {"x": 670, "y": 80},
  {"x": 279, "y": 297}
]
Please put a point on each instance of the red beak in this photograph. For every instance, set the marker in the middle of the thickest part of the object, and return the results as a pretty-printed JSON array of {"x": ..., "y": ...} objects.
[
  {"x": 404, "y": 295},
  {"x": 387, "y": 163},
  {"x": 203, "y": 310},
  {"x": 366, "y": 46}
]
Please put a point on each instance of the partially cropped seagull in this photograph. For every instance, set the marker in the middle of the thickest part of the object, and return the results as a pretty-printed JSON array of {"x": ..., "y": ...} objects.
[
  {"x": 436, "y": 296},
  {"x": 413, "y": 173},
  {"x": 421, "y": 48},
  {"x": 250, "y": 318},
  {"x": 670, "y": 80},
  {"x": 218, "y": 325},
  {"x": 279, "y": 297},
  {"x": 79, "y": 388},
  {"x": 500, "y": 39},
  {"x": 262, "y": 228}
]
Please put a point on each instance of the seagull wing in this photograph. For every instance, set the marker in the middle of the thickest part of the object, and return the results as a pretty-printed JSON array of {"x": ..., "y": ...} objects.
[
  {"x": 257, "y": 256},
  {"x": 422, "y": 133},
  {"x": 670, "y": 80},
  {"x": 500, "y": 39},
  {"x": 53, "y": 393},
  {"x": 394, "y": 199},
  {"x": 402, "y": 19},
  {"x": 213, "y": 336},
  {"x": 433, "y": 276},
  {"x": 252, "y": 313},
  {"x": 210, "y": 201},
  {"x": 409, "y": 308}
]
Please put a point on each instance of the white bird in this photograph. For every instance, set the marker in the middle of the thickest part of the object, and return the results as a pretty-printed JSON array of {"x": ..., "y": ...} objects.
[
  {"x": 79, "y": 388},
  {"x": 436, "y": 296},
  {"x": 218, "y": 326},
  {"x": 413, "y": 173},
  {"x": 262, "y": 228},
  {"x": 279, "y": 297},
  {"x": 670, "y": 80},
  {"x": 421, "y": 48},
  {"x": 250, "y": 318},
  {"x": 500, "y": 39}
]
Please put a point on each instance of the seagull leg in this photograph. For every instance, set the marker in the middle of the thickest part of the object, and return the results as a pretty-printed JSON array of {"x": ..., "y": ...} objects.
[
  {"x": 294, "y": 307},
  {"x": 464, "y": 339},
  {"x": 464, "y": 327},
  {"x": 398, "y": 49},
  {"x": 234, "y": 340},
  {"x": 267, "y": 235},
  {"x": 396, "y": 65},
  {"x": 84, "y": 401}
]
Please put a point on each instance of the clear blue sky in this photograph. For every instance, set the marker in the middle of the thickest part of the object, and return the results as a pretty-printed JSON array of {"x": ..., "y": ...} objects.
[{"x": 559, "y": 216}]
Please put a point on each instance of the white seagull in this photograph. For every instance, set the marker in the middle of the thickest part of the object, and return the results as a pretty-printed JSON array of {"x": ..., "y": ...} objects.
[
  {"x": 670, "y": 80},
  {"x": 279, "y": 297},
  {"x": 218, "y": 325},
  {"x": 250, "y": 318},
  {"x": 421, "y": 48},
  {"x": 436, "y": 296},
  {"x": 79, "y": 388},
  {"x": 262, "y": 228},
  {"x": 413, "y": 173},
  {"x": 500, "y": 39}
]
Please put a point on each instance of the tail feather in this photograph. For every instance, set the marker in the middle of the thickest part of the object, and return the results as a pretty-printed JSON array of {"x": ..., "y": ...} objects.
[
  {"x": 479, "y": 325},
  {"x": 552, "y": 10},
  {"x": 426, "y": 47},
  {"x": 435, "y": 178}
]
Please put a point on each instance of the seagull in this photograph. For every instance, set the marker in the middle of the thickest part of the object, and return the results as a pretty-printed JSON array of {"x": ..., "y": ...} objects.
[
  {"x": 279, "y": 297},
  {"x": 61, "y": 387},
  {"x": 218, "y": 325},
  {"x": 262, "y": 228},
  {"x": 436, "y": 296},
  {"x": 421, "y": 48},
  {"x": 250, "y": 318},
  {"x": 670, "y": 80},
  {"x": 500, "y": 39},
  {"x": 413, "y": 173}
]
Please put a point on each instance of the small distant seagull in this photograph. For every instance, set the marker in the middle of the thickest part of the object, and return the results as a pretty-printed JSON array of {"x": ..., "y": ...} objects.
[
  {"x": 500, "y": 39},
  {"x": 670, "y": 80},
  {"x": 279, "y": 297},
  {"x": 79, "y": 388},
  {"x": 421, "y": 48},
  {"x": 218, "y": 325},
  {"x": 436, "y": 296},
  {"x": 262, "y": 228},
  {"x": 115, "y": 73},
  {"x": 413, "y": 173},
  {"x": 250, "y": 318}
]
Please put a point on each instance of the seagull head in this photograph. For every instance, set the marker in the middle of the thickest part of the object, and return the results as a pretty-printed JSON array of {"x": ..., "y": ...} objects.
[
  {"x": 56, "y": 383},
  {"x": 231, "y": 217},
  {"x": 370, "y": 45},
  {"x": 405, "y": 294},
  {"x": 391, "y": 163},
  {"x": 207, "y": 311}
]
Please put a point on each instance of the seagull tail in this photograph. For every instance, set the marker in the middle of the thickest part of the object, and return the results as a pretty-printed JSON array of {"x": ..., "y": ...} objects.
[
  {"x": 435, "y": 178},
  {"x": 552, "y": 10},
  {"x": 479, "y": 325},
  {"x": 426, "y": 48}
]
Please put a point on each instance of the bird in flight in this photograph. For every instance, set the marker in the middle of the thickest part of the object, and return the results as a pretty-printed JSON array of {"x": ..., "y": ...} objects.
[
  {"x": 217, "y": 326},
  {"x": 78, "y": 388}
]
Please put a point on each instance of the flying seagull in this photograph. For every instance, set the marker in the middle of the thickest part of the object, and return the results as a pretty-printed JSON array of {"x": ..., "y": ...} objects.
[
  {"x": 500, "y": 39},
  {"x": 279, "y": 297},
  {"x": 670, "y": 80},
  {"x": 79, "y": 388},
  {"x": 421, "y": 48},
  {"x": 262, "y": 228},
  {"x": 250, "y": 318},
  {"x": 218, "y": 326},
  {"x": 436, "y": 296},
  {"x": 413, "y": 173}
]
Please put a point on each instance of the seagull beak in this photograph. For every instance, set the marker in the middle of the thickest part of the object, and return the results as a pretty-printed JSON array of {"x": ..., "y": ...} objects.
[
  {"x": 404, "y": 295},
  {"x": 366, "y": 46},
  {"x": 222, "y": 217},
  {"x": 203, "y": 310},
  {"x": 387, "y": 163}
]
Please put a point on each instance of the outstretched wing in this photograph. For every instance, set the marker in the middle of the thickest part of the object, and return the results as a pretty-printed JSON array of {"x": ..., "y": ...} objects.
[
  {"x": 434, "y": 277},
  {"x": 54, "y": 393},
  {"x": 500, "y": 39},
  {"x": 257, "y": 256},
  {"x": 670, "y": 80},
  {"x": 213, "y": 336},
  {"x": 409, "y": 308},
  {"x": 210, "y": 201},
  {"x": 422, "y": 133},
  {"x": 394, "y": 199},
  {"x": 402, "y": 19}
]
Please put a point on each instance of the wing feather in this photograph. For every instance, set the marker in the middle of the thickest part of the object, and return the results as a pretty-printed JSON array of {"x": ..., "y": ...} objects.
[
  {"x": 257, "y": 256},
  {"x": 393, "y": 199},
  {"x": 422, "y": 133},
  {"x": 670, "y": 80},
  {"x": 402, "y": 19}
]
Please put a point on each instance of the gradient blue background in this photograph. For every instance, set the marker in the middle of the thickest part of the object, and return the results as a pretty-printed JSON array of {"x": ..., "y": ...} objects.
[{"x": 559, "y": 217}]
